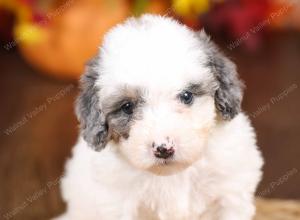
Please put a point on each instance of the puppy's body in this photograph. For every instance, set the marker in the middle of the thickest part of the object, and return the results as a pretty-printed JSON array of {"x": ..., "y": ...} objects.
[
  {"x": 162, "y": 106},
  {"x": 103, "y": 186}
]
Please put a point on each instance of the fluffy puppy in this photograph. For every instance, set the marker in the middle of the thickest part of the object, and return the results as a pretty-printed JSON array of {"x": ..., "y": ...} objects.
[{"x": 162, "y": 133}]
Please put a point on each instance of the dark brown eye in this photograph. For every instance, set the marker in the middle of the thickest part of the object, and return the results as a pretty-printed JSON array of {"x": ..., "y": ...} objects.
[
  {"x": 127, "y": 108},
  {"x": 186, "y": 97}
]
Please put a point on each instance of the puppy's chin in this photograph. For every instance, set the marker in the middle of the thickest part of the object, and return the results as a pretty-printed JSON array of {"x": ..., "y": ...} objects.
[{"x": 167, "y": 167}]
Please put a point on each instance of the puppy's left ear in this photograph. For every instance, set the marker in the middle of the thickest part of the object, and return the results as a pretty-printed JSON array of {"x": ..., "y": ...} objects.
[
  {"x": 229, "y": 93},
  {"x": 92, "y": 120}
]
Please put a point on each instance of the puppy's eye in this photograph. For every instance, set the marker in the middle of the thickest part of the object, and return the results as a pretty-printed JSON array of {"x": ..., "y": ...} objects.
[
  {"x": 127, "y": 108},
  {"x": 186, "y": 97}
]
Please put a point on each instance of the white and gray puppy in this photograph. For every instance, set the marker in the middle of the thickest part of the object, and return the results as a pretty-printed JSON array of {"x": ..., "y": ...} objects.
[{"x": 162, "y": 132}]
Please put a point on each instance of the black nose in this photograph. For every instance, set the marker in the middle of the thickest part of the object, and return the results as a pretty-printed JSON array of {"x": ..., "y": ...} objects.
[{"x": 162, "y": 152}]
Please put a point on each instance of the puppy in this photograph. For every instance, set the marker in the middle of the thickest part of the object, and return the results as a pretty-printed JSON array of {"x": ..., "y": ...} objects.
[{"x": 162, "y": 132}]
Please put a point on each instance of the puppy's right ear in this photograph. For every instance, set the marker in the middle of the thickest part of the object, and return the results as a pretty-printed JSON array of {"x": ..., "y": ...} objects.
[
  {"x": 92, "y": 120},
  {"x": 229, "y": 93}
]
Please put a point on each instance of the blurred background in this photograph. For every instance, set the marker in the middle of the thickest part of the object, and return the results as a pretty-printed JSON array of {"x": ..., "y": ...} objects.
[{"x": 44, "y": 45}]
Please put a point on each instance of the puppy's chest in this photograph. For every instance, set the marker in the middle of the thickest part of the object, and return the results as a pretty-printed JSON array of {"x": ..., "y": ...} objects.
[{"x": 174, "y": 201}]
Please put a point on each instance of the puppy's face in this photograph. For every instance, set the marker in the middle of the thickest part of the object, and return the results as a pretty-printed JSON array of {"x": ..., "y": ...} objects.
[
  {"x": 159, "y": 127},
  {"x": 155, "y": 92}
]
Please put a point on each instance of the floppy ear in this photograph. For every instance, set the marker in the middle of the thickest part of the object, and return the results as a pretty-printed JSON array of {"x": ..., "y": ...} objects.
[
  {"x": 229, "y": 93},
  {"x": 92, "y": 121}
]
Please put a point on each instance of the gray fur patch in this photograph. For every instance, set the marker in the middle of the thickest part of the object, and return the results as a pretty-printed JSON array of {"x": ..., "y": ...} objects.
[
  {"x": 202, "y": 88},
  {"x": 93, "y": 125},
  {"x": 100, "y": 117},
  {"x": 197, "y": 89},
  {"x": 119, "y": 123},
  {"x": 228, "y": 96}
]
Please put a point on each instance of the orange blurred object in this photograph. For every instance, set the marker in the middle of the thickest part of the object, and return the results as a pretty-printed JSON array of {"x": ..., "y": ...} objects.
[
  {"x": 159, "y": 7},
  {"x": 72, "y": 36},
  {"x": 285, "y": 14}
]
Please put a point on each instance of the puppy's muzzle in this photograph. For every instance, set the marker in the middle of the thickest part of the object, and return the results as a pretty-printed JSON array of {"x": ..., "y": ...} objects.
[{"x": 163, "y": 149}]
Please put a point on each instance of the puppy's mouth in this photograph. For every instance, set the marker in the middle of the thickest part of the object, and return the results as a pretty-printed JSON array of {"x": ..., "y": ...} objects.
[
  {"x": 166, "y": 167},
  {"x": 164, "y": 162}
]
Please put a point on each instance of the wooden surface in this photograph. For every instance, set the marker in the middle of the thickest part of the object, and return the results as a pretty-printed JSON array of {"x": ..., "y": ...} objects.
[
  {"x": 42, "y": 131},
  {"x": 277, "y": 210}
]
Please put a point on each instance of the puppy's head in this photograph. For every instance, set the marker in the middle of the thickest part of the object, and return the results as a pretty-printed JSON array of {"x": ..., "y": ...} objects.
[{"x": 155, "y": 92}]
